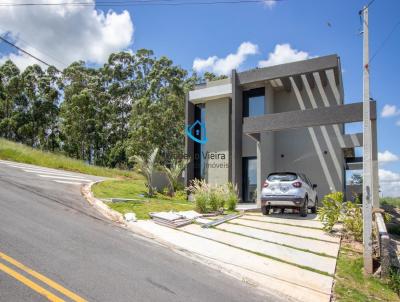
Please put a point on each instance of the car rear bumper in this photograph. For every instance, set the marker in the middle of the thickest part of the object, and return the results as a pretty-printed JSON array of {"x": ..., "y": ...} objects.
[{"x": 282, "y": 201}]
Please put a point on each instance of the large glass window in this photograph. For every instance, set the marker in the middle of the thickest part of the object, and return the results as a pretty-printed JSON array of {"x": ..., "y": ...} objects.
[
  {"x": 249, "y": 179},
  {"x": 254, "y": 102},
  {"x": 199, "y": 162}
]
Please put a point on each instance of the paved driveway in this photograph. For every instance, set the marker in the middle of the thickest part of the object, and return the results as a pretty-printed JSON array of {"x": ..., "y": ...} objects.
[{"x": 285, "y": 255}]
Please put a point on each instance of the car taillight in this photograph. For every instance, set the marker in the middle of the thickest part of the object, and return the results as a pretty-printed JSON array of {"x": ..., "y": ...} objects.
[
  {"x": 297, "y": 184},
  {"x": 265, "y": 184}
]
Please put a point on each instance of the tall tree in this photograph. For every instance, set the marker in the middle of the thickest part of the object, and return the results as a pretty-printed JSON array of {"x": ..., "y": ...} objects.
[{"x": 10, "y": 95}]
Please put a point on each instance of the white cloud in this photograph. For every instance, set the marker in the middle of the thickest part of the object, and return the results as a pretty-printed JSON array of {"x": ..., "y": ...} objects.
[
  {"x": 387, "y": 157},
  {"x": 390, "y": 110},
  {"x": 283, "y": 53},
  {"x": 225, "y": 65},
  {"x": 270, "y": 3},
  {"x": 63, "y": 34},
  {"x": 389, "y": 183}
]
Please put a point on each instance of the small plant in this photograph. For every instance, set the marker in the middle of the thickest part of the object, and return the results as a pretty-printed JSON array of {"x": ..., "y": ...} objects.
[
  {"x": 173, "y": 173},
  {"x": 200, "y": 191},
  {"x": 232, "y": 197},
  {"x": 216, "y": 199},
  {"x": 394, "y": 280},
  {"x": 212, "y": 198},
  {"x": 146, "y": 166},
  {"x": 329, "y": 213},
  {"x": 353, "y": 220}
]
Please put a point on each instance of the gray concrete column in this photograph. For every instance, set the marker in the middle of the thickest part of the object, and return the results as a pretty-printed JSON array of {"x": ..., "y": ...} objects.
[
  {"x": 236, "y": 133},
  {"x": 189, "y": 144}
]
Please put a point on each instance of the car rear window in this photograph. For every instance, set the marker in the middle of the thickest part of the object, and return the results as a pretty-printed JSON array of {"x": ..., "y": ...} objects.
[{"x": 282, "y": 177}]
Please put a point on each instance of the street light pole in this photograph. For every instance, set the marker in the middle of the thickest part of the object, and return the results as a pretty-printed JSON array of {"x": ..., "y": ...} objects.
[{"x": 367, "y": 152}]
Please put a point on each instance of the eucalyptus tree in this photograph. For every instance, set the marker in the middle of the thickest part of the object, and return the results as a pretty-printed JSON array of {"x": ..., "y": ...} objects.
[
  {"x": 41, "y": 107},
  {"x": 10, "y": 96},
  {"x": 157, "y": 118}
]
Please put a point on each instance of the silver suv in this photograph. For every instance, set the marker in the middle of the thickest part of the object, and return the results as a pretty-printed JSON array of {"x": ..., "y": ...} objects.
[{"x": 289, "y": 190}]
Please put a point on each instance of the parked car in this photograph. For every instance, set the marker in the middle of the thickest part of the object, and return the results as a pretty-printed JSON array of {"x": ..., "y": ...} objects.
[{"x": 289, "y": 190}]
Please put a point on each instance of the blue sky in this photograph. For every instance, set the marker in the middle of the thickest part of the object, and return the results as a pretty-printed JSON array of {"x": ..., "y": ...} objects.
[{"x": 318, "y": 28}]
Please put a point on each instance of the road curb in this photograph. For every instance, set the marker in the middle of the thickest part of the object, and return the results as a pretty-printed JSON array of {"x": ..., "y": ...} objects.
[{"x": 100, "y": 206}]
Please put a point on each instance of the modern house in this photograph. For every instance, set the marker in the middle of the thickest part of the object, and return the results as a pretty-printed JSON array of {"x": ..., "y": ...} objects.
[{"x": 287, "y": 117}]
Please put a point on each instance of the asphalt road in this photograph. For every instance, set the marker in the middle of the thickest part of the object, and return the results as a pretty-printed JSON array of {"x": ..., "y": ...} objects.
[{"x": 47, "y": 226}]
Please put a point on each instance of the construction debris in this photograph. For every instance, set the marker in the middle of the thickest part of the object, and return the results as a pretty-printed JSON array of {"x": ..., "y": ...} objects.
[
  {"x": 174, "y": 219},
  {"x": 130, "y": 217},
  {"x": 221, "y": 220}
]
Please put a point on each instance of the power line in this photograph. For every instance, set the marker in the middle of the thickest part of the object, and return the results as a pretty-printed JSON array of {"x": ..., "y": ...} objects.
[
  {"x": 35, "y": 48},
  {"x": 139, "y": 3},
  {"x": 384, "y": 41},
  {"x": 25, "y": 52}
]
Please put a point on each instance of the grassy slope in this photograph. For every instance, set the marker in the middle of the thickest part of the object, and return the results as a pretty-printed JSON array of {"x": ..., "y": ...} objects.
[
  {"x": 24, "y": 154},
  {"x": 352, "y": 286},
  {"x": 135, "y": 190},
  {"x": 391, "y": 201}
]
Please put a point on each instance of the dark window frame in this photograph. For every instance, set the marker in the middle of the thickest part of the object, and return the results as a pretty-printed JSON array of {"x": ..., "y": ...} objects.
[{"x": 249, "y": 94}]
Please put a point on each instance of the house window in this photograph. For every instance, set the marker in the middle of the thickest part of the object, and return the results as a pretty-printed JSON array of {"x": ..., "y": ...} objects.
[
  {"x": 254, "y": 102},
  {"x": 199, "y": 163},
  {"x": 249, "y": 179}
]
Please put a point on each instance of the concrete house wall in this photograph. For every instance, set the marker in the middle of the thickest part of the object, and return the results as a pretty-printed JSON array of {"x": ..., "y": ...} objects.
[{"x": 217, "y": 121}]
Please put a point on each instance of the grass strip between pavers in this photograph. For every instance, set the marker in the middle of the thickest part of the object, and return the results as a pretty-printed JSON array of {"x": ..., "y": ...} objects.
[
  {"x": 263, "y": 255},
  {"x": 281, "y": 244},
  {"x": 268, "y": 230},
  {"x": 282, "y": 223}
]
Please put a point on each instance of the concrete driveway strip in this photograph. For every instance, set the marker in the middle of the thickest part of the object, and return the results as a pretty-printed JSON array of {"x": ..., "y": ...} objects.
[
  {"x": 50, "y": 228},
  {"x": 289, "y": 281},
  {"x": 287, "y": 254},
  {"x": 289, "y": 219},
  {"x": 317, "y": 246},
  {"x": 293, "y": 230}
]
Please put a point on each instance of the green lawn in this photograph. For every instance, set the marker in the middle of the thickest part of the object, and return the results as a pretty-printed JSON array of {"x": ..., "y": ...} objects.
[
  {"x": 352, "y": 286},
  {"x": 135, "y": 189},
  {"x": 24, "y": 154}
]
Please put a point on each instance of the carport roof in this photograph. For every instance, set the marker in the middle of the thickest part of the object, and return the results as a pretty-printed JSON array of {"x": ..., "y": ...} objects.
[
  {"x": 277, "y": 76},
  {"x": 291, "y": 69}
]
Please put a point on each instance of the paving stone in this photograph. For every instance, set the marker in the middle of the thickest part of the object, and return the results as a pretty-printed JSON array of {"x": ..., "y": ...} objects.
[
  {"x": 321, "y": 263},
  {"x": 297, "y": 231},
  {"x": 328, "y": 248},
  {"x": 286, "y": 219}
]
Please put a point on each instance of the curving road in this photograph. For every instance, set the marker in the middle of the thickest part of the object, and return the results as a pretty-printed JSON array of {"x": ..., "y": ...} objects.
[{"x": 54, "y": 246}]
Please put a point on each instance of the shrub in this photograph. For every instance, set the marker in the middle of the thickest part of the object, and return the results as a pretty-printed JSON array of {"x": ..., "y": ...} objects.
[
  {"x": 201, "y": 203},
  {"x": 232, "y": 197},
  {"x": 329, "y": 213},
  {"x": 216, "y": 199},
  {"x": 353, "y": 220},
  {"x": 394, "y": 280},
  {"x": 210, "y": 198}
]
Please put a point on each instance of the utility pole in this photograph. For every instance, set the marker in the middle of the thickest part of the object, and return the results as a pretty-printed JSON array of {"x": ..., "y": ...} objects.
[{"x": 367, "y": 152}]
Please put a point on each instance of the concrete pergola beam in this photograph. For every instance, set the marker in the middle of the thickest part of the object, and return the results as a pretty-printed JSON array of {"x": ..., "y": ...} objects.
[
  {"x": 290, "y": 69},
  {"x": 340, "y": 114}
]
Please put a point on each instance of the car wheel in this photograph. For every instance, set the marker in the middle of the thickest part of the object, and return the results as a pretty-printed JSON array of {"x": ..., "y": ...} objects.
[
  {"x": 304, "y": 208},
  {"x": 265, "y": 210},
  {"x": 315, "y": 207}
]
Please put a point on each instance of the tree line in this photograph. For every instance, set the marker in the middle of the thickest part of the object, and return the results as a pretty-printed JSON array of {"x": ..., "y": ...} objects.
[{"x": 132, "y": 104}]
